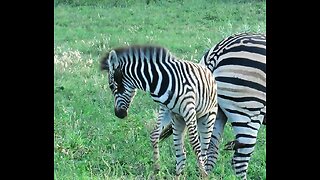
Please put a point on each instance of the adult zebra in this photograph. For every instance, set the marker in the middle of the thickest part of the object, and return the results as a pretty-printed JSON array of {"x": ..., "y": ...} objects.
[
  {"x": 186, "y": 92},
  {"x": 238, "y": 63}
]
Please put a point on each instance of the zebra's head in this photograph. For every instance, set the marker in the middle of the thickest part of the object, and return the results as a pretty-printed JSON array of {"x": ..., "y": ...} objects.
[{"x": 122, "y": 91}]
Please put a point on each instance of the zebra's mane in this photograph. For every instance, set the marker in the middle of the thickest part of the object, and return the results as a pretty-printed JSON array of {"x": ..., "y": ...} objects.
[{"x": 125, "y": 50}]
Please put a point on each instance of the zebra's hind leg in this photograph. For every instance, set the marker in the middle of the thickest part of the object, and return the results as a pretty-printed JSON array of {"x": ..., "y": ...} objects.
[
  {"x": 213, "y": 151},
  {"x": 164, "y": 118},
  {"x": 205, "y": 127},
  {"x": 246, "y": 137},
  {"x": 240, "y": 161},
  {"x": 179, "y": 129},
  {"x": 191, "y": 123}
]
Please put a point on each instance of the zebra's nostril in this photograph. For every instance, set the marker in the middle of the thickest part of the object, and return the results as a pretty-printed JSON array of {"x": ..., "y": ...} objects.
[{"x": 120, "y": 113}]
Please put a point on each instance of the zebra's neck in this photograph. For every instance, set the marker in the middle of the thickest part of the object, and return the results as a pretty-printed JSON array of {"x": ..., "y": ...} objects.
[{"x": 149, "y": 69}]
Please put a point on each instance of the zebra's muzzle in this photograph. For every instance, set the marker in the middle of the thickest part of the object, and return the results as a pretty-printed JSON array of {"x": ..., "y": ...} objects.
[{"x": 120, "y": 113}]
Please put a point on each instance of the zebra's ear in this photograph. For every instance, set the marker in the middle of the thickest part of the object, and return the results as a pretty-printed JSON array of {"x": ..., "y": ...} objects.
[
  {"x": 113, "y": 60},
  {"x": 104, "y": 64}
]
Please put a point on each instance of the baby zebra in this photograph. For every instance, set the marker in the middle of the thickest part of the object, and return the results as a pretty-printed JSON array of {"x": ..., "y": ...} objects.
[{"x": 186, "y": 93}]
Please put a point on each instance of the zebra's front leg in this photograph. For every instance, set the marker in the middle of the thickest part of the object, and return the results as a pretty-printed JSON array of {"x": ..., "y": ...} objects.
[
  {"x": 164, "y": 118},
  {"x": 154, "y": 136},
  {"x": 178, "y": 126},
  {"x": 213, "y": 151}
]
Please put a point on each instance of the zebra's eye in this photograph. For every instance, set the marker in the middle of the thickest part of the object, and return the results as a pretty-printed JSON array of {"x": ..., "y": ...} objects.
[{"x": 113, "y": 87}]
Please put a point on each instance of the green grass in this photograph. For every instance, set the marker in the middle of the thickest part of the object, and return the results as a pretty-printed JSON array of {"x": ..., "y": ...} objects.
[{"x": 89, "y": 141}]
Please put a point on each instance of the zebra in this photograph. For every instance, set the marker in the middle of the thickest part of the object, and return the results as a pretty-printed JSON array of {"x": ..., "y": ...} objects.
[
  {"x": 186, "y": 92},
  {"x": 238, "y": 64}
]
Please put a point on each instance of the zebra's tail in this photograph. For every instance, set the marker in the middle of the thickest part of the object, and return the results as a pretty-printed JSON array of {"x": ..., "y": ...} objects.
[
  {"x": 166, "y": 132},
  {"x": 264, "y": 122}
]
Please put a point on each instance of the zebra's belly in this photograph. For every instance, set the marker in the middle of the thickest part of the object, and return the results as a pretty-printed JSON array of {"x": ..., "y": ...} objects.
[{"x": 177, "y": 113}]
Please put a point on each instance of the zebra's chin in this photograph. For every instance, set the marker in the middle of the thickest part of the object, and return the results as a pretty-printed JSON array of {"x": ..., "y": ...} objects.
[{"x": 121, "y": 113}]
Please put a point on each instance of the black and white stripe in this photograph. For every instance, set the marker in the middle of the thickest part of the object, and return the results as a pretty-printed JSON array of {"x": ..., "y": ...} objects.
[
  {"x": 239, "y": 65},
  {"x": 186, "y": 92}
]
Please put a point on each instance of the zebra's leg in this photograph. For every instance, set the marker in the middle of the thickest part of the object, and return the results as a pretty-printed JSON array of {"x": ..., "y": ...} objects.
[
  {"x": 246, "y": 137},
  {"x": 164, "y": 118},
  {"x": 191, "y": 123},
  {"x": 205, "y": 128},
  {"x": 217, "y": 133},
  {"x": 178, "y": 125}
]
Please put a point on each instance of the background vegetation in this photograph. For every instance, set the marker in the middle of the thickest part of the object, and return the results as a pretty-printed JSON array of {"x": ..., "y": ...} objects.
[{"x": 89, "y": 141}]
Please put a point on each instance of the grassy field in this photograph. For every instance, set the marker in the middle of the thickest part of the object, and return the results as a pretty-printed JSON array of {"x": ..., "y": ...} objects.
[{"x": 89, "y": 141}]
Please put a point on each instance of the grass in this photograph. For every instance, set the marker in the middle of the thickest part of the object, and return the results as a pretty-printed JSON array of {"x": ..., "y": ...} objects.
[{"x": 89, "y": 141}]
